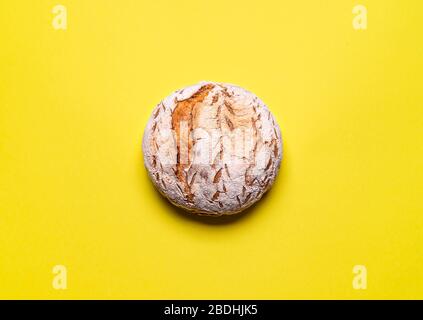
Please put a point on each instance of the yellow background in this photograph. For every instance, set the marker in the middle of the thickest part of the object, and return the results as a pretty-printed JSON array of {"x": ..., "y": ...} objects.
[{"x": 74, "y": 191}]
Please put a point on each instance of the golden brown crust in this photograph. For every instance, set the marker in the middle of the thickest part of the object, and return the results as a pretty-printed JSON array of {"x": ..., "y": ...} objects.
[{"x": 185, "y": 112}]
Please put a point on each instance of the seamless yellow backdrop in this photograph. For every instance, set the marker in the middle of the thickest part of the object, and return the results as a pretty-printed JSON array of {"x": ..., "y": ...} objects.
[{"x": 74, "y": 192}]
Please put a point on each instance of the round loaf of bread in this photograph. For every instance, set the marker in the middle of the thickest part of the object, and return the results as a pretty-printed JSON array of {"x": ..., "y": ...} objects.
[{"x": 212, "y": 148}]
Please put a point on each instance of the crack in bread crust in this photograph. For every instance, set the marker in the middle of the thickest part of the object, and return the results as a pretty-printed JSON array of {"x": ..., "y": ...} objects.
[{"x": 185, "y": 112}]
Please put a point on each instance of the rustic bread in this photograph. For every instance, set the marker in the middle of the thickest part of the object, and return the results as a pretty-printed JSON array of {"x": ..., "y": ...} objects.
[{"x": 212, "y": 148}]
